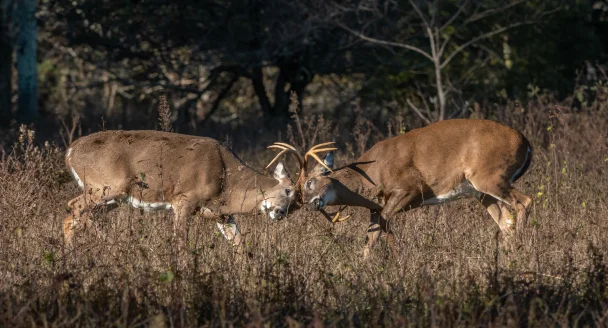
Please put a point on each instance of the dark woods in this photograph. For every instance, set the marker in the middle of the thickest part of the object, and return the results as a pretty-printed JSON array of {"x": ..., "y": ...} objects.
[{"x": 222, "y": 64}]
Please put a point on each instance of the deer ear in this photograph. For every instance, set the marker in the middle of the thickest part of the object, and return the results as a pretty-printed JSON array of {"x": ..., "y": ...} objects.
[
  {"x": 280, "y": 172},
  {"x": 327, "y": 160}
]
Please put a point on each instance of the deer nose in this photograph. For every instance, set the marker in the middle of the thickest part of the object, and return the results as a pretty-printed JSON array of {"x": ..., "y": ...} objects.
[
  {"x": 317, "y": 203},
  {"x": 278, "y": 212}
]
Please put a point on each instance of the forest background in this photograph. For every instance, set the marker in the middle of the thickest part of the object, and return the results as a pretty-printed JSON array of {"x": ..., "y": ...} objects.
[{"x": 360, "y": 71}]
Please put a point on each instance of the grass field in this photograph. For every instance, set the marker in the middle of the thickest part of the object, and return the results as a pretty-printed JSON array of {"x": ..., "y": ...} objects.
[{"x": 453, "y": 268}]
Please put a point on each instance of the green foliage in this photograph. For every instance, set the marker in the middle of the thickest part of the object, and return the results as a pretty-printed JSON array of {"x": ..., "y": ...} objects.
[
  {"x": 167, "y": 276},
  {"x": 49, "y": 257}
]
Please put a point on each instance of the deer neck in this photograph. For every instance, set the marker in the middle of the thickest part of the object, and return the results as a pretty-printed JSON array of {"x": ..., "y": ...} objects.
[
  {"x": 355, "y": 188},
  {"x": 244, "y": 189}
]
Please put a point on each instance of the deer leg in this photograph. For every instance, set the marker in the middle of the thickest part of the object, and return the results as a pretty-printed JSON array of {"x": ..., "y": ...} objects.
[
  {"x": 227, "y": 225},
  {"x": 79, "y": 208},
  {"x": 75, "y": 207},
  {"x": 377, "y": 225},
  {"x": 379, "y": 221},
  {"x": 497, "y": 210},
  {"x": 230, "y": 229},
  {"x": 374, "y": 230},
  {"x": 184, "y": 208},
  {"x": 504, "y": 192},
  {"x": 522, "y": 207}
]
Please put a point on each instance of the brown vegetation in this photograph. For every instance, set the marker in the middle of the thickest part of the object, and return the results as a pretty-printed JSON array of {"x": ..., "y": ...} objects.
[{"x": 451, "y": 269}]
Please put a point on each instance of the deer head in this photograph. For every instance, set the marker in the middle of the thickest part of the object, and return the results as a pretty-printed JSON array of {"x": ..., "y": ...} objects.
[
  {"x": 307, "y": 179},
  {"x": 278, "y": 199}
]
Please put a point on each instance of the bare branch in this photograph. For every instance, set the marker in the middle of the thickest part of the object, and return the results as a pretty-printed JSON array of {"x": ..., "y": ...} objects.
[
  {"x": 219, "y": 98},
  {"x": 491, "y": 12},
  {"x": 479, "y": 38},
  {"x": 453, "y": 18},
  {"x": 468, "y": 75},
  {"x": 434, "y": 11},
  {"x": 387, "y": 43},
  {"x": 420, "y": 14},
  {"x": 429, "y": 33},
  {"x": 443, "y": 45},
  {"x": 412, "y": 106},
  {"x": 426, "y": 104}
]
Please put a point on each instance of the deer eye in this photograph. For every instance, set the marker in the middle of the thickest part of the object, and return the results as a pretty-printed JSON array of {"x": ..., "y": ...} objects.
[
  {"x": 287, "y": 192},
  {"x": 308, "y": 184}
]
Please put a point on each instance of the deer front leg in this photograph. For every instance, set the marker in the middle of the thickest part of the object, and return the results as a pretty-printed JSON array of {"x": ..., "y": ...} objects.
[
  {"x": 184, "y": 208},
  {"x": 227, "y": 225},
  {"x": 378, "y": 224},
  {"x": 77, "y": 207},
  {"x": 230, "y": 229},
  {"x": 374, "y": 230},
  {"x": 398, "y": 200},
  {"x": 80, "y": 209}
]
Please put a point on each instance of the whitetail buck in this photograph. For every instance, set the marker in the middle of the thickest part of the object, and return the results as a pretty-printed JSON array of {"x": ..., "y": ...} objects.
[
  {"x": 154, "y": 170},
  {"x": 443, "y": 161}
]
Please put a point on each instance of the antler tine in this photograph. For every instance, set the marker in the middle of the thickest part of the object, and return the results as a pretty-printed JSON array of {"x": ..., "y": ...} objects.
[
  {"x": 285, "y": 145},
  {"x": 336, "y": 217},
  {"x": 315, "y": 149},
  {"x": 321, "y": 145},
  {"x": 320, "y": 150},
  {"x": 286, "y": 148},
  {"x": 278, "y": 156},
  {"x": 278, "y": 147},
  {"x": 314, "y": 155}
]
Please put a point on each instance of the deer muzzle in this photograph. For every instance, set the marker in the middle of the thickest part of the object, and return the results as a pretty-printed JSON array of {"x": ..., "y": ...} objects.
[
  {"x": 276, "y": 213},
  {"x": 317, "y": 203}
]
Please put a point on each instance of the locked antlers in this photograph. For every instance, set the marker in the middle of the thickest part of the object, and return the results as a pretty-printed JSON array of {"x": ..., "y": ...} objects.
[{"x": 302, "y": 159}]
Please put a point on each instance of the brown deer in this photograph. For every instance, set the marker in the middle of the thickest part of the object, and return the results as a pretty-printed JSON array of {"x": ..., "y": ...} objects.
[
  {"x": 153, "y": 170},
  {"x": 432, "y": 165}
]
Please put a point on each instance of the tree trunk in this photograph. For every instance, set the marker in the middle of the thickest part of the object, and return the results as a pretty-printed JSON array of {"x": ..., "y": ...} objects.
[
  {"x": 257, "y": 78},
  {"x": 281, "y": 97},
  {"x": 287, "y": 75},
  {"x": 440, "y": 91},
  {"x": 27, "y": 109},
  {"x": 6, "y": 62},
  {"x": 298, "y": 78}
]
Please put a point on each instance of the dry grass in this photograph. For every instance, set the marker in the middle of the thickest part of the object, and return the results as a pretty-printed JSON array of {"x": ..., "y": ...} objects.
[{"x": 452, "y": 269}]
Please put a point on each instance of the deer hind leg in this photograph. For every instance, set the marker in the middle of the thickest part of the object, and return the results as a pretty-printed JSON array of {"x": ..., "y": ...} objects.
[
  {"x": 521, "y": 203},
  {"x": 504, "y": 192},
  {"x": 497, "y": 210}
]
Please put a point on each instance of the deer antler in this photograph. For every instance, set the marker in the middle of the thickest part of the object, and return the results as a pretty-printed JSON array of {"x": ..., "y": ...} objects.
[
  {"x": 286, "y": 149},
  {"x": 302, "y": 159},
  {"x": 315, "y": 149},
  {"x": 336, "y": 217}
]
